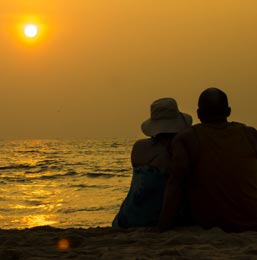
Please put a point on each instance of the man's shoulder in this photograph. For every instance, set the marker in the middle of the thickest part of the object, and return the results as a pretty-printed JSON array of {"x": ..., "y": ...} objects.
[
  {"x": 251, "y": 133},
  {"x": 251, "y": 130}
]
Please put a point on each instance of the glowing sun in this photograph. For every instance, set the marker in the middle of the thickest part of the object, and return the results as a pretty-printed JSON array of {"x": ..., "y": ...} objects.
[{"x": 30, "y": 30}]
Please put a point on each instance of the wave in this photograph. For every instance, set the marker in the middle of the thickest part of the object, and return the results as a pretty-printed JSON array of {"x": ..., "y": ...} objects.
[
  {"x": 96, "y": 175},
  {"x": 34, "y": 176},
  {"x": 86, "y": 186},
  {"x": 115, "y": 145},
  {"x": 15, "y": 166},
  {"x": 59, "y": 175},
  {"x": 68, "y": 211},
  {"x": 106, "y": 176},
  {"x": 34, "y": 203},
  {"x": 114, "y": 170},
  {"x": 29, "y": 151}
]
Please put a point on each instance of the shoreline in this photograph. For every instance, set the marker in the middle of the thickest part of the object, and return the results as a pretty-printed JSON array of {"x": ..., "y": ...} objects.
[{"x": 46, "y": 242}]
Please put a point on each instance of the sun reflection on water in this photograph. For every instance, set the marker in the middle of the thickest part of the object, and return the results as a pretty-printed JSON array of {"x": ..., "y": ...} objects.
[
  {"x": 61, "y": 183},
  {"x": 39, "y": 202},
  {"x": 39, "y": 220}
]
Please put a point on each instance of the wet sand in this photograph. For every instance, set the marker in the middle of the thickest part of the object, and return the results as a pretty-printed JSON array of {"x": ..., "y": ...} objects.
[{"x": 107, "y": 243}]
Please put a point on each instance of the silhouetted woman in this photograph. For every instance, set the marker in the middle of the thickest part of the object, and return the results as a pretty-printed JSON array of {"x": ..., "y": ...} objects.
[{"x": 151, "y": 158}]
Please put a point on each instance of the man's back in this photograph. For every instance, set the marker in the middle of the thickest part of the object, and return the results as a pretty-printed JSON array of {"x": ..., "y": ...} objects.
[
  {"x": 223, "y": 183},
  {"x": 214, "y": 165}
]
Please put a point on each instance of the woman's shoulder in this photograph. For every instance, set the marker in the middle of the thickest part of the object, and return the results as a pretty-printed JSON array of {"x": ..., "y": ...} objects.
[
  {"x": 140, "y": 151},
  {"x": 148, "y": 152},
  {"x": 142, "y": 143},
  {"x": 148, "y": 147}
]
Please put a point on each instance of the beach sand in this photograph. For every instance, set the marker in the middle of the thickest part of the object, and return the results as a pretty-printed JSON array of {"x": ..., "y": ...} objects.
[{"x": 107, "y": 243}]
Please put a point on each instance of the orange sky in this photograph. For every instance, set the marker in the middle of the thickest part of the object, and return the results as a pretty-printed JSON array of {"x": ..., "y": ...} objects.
[{"x": 98, "y": 65}]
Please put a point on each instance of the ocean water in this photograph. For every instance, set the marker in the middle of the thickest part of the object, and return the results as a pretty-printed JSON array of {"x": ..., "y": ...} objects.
[{"x": 63, "y": 183}]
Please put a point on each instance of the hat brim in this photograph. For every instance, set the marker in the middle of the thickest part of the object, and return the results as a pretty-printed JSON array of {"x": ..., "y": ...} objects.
[{"x": 173, "y": 125}]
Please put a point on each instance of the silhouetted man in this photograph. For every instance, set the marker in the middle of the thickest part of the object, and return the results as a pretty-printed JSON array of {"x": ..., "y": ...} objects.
[{"x": 214, "y": 169}]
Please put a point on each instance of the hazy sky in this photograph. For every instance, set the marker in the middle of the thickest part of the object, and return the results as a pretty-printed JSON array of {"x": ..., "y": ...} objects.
[{"x": 97, "y": 65}]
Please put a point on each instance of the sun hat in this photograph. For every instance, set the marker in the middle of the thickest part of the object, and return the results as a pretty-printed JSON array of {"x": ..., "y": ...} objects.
[{"x": 165, "y": 118}]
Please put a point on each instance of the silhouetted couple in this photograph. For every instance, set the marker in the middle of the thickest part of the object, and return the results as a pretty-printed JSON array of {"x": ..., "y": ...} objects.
[{"x": 205, "y": 174}]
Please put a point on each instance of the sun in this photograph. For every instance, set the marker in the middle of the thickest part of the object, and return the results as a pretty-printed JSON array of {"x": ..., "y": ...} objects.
[{"x": 31, "y": 30}]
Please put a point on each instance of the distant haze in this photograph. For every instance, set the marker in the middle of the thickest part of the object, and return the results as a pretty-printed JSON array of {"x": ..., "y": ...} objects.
[{"x": 100, "y": 63}]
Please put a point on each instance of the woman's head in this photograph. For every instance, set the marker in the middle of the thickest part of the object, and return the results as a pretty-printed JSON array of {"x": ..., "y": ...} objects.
[{"x": 165, "y": 118}]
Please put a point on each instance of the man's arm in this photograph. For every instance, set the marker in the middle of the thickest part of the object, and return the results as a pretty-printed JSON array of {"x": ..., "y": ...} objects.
[
  {"x": 175, "y": 186},
  {"x": 252, "y": 136}
]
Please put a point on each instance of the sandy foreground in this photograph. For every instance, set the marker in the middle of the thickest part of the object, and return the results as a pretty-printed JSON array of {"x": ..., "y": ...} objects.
[{"x": 107, "y": 243}]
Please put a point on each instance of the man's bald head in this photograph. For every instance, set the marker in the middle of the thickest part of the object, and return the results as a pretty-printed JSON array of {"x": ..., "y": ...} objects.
[{"x": 213, "y": 106}]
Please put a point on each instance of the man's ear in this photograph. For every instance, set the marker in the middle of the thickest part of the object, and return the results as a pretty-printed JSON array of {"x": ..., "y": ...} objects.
[
  {"x": 228, "y": 111},
  {"x": 198, "y": 113}
]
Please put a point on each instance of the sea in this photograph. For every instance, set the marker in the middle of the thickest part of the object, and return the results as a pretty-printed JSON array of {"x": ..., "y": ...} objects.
[{"x": 63, "y": 183}]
